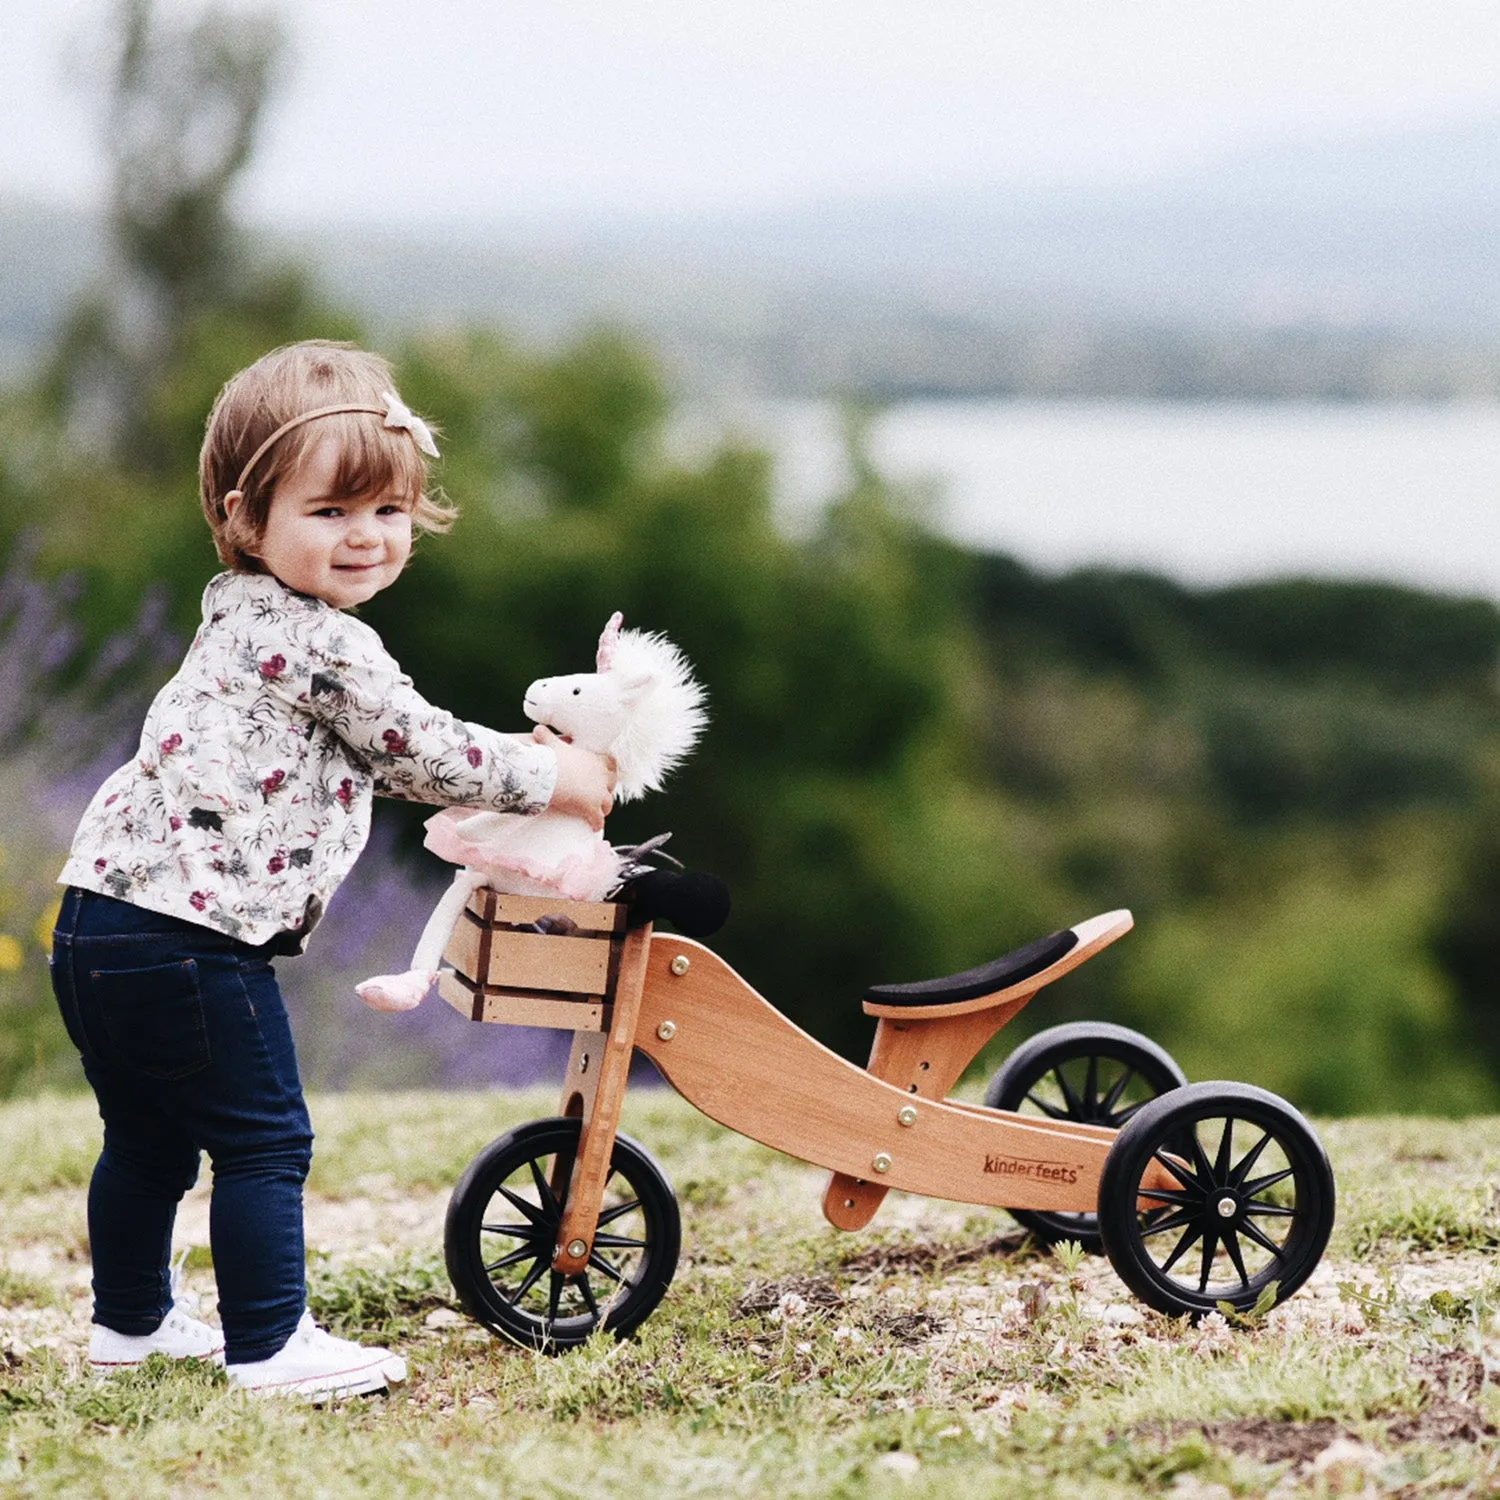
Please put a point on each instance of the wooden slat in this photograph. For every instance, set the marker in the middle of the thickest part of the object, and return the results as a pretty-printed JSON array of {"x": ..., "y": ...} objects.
[
  {"x": 523, "y": 1008},
  {"x": 520, "y": 911},
  {"x": 456, "y": 993},
  {"x": 545, "y": 961},
  {"x": 463, "y": 947},
  {"x": 542, "y": 1010}
]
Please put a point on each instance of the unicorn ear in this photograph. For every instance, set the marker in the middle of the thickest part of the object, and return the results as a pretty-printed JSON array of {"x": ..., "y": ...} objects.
[
  {"x": 636, "y": 688},
  {"x": 608, "y": 640}
]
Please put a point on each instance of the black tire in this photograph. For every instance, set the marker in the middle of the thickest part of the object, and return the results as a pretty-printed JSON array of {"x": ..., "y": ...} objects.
[
  {"x": 1254, "y": 1201},
  {"x": 1088, "y": 1071},
  {"x": 502, "y": 1232}
]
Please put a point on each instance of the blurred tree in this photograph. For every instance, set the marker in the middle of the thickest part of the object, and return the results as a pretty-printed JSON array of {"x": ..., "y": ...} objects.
[
  {"x": 183, "y": 109},
  {"x": 112, "y": 427}
]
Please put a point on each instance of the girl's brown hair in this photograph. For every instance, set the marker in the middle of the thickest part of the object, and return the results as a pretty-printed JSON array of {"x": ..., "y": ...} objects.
[{"x": 278, "y": 387}]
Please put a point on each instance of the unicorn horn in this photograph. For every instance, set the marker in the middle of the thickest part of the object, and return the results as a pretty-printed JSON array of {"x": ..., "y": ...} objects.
[{"x": 604, "y": 659}]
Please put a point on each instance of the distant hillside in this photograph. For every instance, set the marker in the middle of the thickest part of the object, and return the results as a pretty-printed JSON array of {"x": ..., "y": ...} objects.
[{"x": 1339, "y": 272}]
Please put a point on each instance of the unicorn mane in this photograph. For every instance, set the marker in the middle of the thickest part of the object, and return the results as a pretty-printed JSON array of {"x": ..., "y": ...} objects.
[{"x": 665, "y": 723}]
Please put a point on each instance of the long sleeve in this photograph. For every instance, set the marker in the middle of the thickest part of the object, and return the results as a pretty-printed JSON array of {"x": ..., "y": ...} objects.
[{"x": 416, "y": 751}]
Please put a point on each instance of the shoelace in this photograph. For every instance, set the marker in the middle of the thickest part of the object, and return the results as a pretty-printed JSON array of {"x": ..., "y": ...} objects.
[{"x": 183, "y": 1300}]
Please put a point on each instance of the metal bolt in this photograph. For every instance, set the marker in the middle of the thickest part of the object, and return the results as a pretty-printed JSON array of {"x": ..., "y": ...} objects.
[
  {"x": 577, "y": 1249},
  {"x": 667, "y": 1030},
  {"x": 906, "y": 1116},
  {"x": 1226, "y": 1207},
  {"x": 679, "y": 965},
  {"x": 882, "y": 1163},
  {"x": 583, "y": 1063}
]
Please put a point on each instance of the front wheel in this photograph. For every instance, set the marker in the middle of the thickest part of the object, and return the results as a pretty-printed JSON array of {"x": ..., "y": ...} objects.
[
  {"x": 1090, "y": 1071},
  {"x": 1213, "y": 1193},
  {"x": 502, "y": 1231}
]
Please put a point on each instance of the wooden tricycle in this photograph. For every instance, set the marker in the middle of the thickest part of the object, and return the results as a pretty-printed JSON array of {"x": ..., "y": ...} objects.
[{"x": 1199, "y": 1194}]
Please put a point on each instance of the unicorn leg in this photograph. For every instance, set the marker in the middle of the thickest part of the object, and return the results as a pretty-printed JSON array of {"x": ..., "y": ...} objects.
[{"x": 407, "y": 991}]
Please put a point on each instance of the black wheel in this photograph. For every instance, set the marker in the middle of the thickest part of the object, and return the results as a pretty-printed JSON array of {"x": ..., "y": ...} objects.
[
  {"x": 1089, "y": 1071},
  {"x": 502, "y": 1232},
  {"x": 1242, "y": 1197}
]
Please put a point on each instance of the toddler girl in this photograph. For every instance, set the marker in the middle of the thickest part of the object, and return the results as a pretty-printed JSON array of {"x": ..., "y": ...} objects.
[{"x": 218, "y": 846}]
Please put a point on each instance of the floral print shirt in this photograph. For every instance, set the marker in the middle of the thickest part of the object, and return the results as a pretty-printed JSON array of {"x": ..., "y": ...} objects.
[{"x": 250, "y": 796}]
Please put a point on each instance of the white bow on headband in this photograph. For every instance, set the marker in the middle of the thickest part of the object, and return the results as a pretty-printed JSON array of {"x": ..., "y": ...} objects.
[{"x": 400, "y": 416}]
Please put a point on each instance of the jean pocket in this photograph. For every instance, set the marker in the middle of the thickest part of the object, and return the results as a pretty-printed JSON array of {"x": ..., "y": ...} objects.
[{"x": 153, "y": 1018}]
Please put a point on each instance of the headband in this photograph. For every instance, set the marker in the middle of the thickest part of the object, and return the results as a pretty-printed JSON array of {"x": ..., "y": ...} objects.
[{"x": 398, "y": 416}]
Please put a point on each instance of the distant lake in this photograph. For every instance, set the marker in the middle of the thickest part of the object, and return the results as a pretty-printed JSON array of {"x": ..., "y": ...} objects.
[{"x": 1206, "y": 494}]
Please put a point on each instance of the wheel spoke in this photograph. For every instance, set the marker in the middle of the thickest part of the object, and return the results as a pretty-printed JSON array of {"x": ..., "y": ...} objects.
[
  {"x": 1188, "y": 1240},
  {"x": 1271, "y": 1210},
  {"x": 599, "y": 1263},
  {"x": 544, "y": 1188},
  {"x": 531, "y": 1278},
  {"x": 618, "y": 1211},
  {"x": 1116, "y": 1093},
  {"x": 618, "y": 1242},
  {"x": 532, "y": 1212},
  {"x": 1175, "y": 1221},
  {"x": 1091, "y": 1087},
  {"x": 1205, "y": 1175},
  {"x": 1248, "y": 1160},
  {"x": 1210, "y": 1245},
  {"x": 515, "y": 1231},
  {"x": 513, "y": 1259},
  {"x": 1070, "y": 1098},
  {"x": 1171, "y": 1195},
  {"x": 581, "y": 1281},
  {"x": 1120, "y": 1118},
  {"x": 554, "y": 1296},
  {"x": 1180, "y": 1171},
  {"x": 1256, "y": 1188},
  {"x": 1050, "y": 1110},
  {"x": 1266, "y": 1243},
  {"x": 1232, "y": 1245},
  {"x": 1226, "y": 1150}
]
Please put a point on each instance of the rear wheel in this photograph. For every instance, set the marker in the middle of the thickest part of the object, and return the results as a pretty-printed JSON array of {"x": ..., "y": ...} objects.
[
  {"x": 1088, "y": 1071},
  {"x": 1212, "y": 1194},
  {"x": 502, "y": 1233}
]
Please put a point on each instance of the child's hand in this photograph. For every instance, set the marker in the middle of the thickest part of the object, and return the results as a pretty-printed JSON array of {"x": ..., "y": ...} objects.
[{"x": 585, "y": 781}]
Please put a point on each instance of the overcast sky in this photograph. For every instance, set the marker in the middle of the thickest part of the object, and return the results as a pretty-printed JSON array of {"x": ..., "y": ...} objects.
[{"x": 498, "y": 108}]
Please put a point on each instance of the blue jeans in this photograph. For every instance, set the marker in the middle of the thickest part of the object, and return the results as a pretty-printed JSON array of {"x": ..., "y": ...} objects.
[{"x": 186, "y": 1043}]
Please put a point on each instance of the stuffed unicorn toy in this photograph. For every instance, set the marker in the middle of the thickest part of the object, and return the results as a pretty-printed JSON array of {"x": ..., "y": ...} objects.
[{"x": 641, "y": 706}]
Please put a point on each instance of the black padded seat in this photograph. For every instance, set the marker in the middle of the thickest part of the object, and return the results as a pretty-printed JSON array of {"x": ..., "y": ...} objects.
[{"x": 998, "y": 974}]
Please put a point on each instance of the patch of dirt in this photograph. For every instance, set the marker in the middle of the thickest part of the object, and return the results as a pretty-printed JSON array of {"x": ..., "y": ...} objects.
[
  {"x": 928, "y": 1257},
  {"x": 1454, "y": 1378},
  {"x": 1264, "y": 1439},
  {"x": 1271, "y": 1442},
  {"x": 821, "y": 1294},
  {"x": 904, "y": 1328}
]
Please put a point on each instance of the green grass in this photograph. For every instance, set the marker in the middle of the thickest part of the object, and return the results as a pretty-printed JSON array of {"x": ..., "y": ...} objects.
[{"x": 937, "y": 1353}]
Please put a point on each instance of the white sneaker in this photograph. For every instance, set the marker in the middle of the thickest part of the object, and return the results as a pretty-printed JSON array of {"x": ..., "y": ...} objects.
[
  {"x": 180, "y": 1336},
  {"x": 313, "y": 1364}
]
